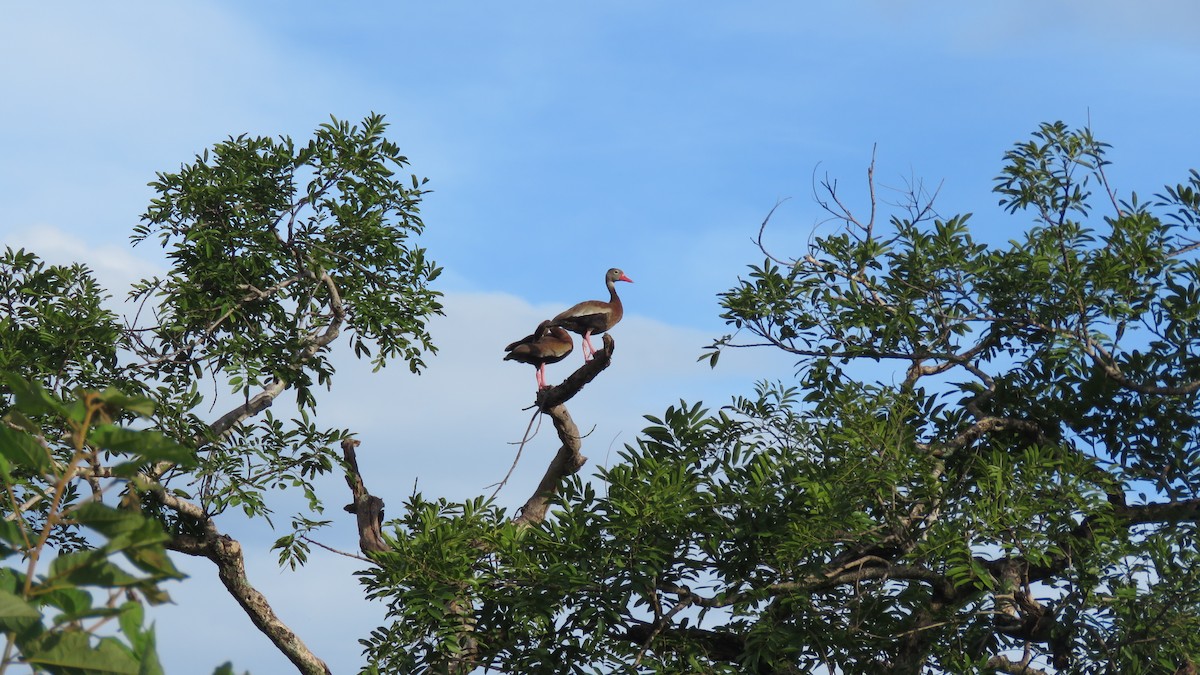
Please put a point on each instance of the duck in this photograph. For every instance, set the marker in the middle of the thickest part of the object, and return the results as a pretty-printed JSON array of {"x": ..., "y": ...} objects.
[
  {"x": 593, "y": 317},
  {"x": 547, "y": 344}
]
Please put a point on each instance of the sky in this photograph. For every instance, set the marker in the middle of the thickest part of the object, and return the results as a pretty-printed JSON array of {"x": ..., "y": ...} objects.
[{"x": 560, "y": 139}]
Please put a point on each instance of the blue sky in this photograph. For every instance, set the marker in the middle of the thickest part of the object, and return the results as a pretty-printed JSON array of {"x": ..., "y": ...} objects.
[{"x": 560, "y": 139}]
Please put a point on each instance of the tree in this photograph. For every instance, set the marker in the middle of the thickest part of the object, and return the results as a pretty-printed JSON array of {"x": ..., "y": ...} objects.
[
  {"x": 988, "y": 462},
  {"x": 40, "y": 472},
  {"x": 275, "y": 249}
]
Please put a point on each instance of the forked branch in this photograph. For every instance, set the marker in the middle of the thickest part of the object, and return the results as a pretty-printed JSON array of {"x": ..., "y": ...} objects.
[{"x": 368, "y": 509}]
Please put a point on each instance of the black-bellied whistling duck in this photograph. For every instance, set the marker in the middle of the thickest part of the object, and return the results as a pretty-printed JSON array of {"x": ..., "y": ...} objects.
[
  {"x": 548, "y": 344},
  {"x": 593, "y": 317}
]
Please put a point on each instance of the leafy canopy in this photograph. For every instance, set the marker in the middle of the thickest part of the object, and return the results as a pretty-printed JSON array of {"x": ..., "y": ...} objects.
[
  {"x": 989, "y": 461},
  {"x": 108, "y": 445}
]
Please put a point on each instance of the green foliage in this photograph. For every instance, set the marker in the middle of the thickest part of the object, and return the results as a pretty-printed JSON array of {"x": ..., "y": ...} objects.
[
  {"x": 49, "y": 619},
  {"x": 52, "y": 324},
  {"x": 275, "y": 250},
  {"x": 265, "y": 238},
  {"x": 991, "y": 456}
]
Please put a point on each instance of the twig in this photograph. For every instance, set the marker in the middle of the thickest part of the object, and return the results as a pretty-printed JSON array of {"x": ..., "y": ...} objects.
[
  {"x": 331, "y": 549},
  {"x": 525, "y": 439}
]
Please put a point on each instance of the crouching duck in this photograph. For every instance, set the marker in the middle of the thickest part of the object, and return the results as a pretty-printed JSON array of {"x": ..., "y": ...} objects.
[{"x": 548, "y": 344}]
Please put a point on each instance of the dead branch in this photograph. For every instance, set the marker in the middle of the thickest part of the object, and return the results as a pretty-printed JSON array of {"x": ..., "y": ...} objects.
[
  {"x": 366, "y": 507},
  {"x": 520, "y": 447},
  {"x": 569, "y": 458},
  {"x": 556, "y": 396},
  {"x": 568, "y": 461},
  {"x": 331, "y": 549}
]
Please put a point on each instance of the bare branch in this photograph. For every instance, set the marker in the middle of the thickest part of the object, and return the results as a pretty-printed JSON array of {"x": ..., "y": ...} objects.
[
  {"x": 555, "y": 396},
  {"x": 569, "y": 458},
  {"x": 568, "y": 461},
  {"x": 762, "y": 230},
  {"x": 1186, "y": 248},
  {"x": 525, "y": 438},
  {"x": 367, "y": 508}
]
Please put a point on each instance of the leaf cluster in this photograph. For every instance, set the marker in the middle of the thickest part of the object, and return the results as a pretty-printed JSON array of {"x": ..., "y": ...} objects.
[
  {"x": 48, "y": 612},
  {"x": 275, "y": 247},
  {"x": 275, "y": 250},
  {"x": 53, "y": 326}
]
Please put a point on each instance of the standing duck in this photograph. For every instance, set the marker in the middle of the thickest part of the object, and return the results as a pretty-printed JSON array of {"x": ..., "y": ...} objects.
[
  {"x": 548, "y": 344},
  {"x": 593, "y": 317}
]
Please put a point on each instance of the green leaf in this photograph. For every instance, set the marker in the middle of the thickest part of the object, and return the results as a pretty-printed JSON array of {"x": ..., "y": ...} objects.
[
  {"x": 134, "y": 404},
  {"x": 131, "y": 618},
  {"x": 148, "y": 446},
  {"x": 22, "y": 450},
  {"x": 15, "y": 613},
  {"x": 148, "y": 654},
  {"x": 32, "y": 398},
  {"x": 72, "y": 601},
  {"x": 154, "y": 560},
  {"x": 109, "y": 521},
  {"x": 10, "y": 531},
  {"x": 72, "y": 651},
  {"x": 88, "y": 568},
  {"x": 131, "y": 533}
]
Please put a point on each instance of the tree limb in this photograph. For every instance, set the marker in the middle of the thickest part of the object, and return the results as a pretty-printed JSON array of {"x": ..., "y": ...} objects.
[
  {"x": 558, "y": 395},
  {"x": 569, "y": 458},
  {"x": 1003, "y": 664},
  {"x": 366, "y": 507},
  {"x": 226, "y": 553},
  {"x": 254, "y": 406},
  {"x": 719, "y": 646}
]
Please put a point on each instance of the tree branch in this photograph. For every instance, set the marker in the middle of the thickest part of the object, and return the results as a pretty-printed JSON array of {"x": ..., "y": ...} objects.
[
  {"x": 719, "y": 646},
  {"x": 569, "y": 458},
  {"x": 226, "y": 553},
  {"x": 366, "y": 507},
  {"x": 555, "y": 396},
  {"x": 254, "y": 406},
  {"x": 1003, "y": 664}
]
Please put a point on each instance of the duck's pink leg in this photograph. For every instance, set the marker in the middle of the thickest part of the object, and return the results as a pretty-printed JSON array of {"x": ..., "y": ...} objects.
[{"x": 588, "y": 349}]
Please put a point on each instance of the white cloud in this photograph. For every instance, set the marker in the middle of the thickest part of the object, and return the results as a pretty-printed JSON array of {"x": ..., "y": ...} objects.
[{"x": 116, "y": 267}]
